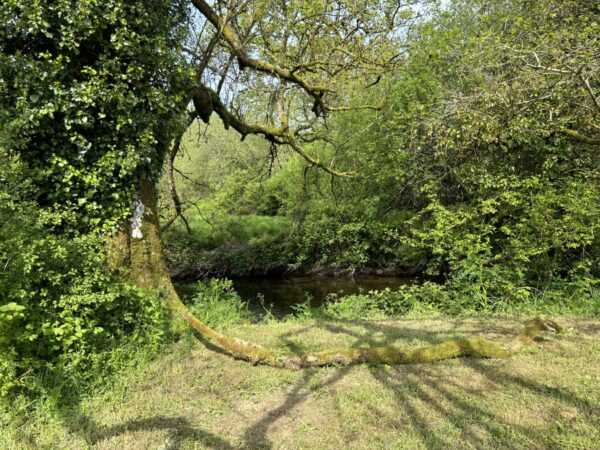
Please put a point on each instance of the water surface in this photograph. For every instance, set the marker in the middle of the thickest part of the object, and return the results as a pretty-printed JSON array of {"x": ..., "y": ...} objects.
[{"x": 280, "y": 295}]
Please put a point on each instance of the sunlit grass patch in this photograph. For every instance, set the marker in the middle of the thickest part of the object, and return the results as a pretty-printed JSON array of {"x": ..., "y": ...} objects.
[
  {"x": 223, "y": 228},
  {"x": 195, "y": 397}
]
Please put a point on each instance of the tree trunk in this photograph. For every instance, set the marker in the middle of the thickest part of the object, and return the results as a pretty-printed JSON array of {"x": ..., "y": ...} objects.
[{"x": 137, "y": 251}]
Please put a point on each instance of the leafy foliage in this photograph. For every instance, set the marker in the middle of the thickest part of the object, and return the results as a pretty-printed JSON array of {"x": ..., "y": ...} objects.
[
  {"x": 475, "y": 171},
  {"x": 434, "y": 299},
  {"x": 62, "y": 314},
  {"x": 89, "y": 93}
]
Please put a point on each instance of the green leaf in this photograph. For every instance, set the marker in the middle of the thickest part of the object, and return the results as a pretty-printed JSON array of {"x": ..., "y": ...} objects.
[{"x": 11, "y": 307}]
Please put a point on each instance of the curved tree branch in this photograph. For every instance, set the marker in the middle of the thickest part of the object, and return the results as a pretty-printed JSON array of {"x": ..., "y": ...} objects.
[
  {"x": 237, "y": 47},
  {"x": 474, "y": 347},
  {"x": 576, "y": 135},
  {"x": 278, "y": 135}
]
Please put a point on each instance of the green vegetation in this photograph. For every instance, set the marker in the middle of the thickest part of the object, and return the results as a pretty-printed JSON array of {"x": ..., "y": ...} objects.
[
  {"x": 64, "y": 319},
  {"x": 80, "y": 116},
  {"x": 81, "y": 106},
  {"x": 465, "y": 174},
  {"x": 455, "y": 142},
  {"x": 150, "y": 413},
  {"x": 217, "y": 305},
  {"x": 229, "y": 245},
  {"x": 547, "y": 397},
  {"x": 431, "y": 299}
]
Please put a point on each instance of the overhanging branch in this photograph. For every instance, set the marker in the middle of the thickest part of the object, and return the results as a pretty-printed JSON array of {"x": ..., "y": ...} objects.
[
  {"x": 237, "y": 47},
  {"x": 581, "y": 137},
  {"x": 277, "y": 135}
]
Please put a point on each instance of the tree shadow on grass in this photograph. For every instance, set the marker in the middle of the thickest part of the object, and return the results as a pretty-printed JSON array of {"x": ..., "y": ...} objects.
[
  {"x": 178, "y": 428},
  {"x": 478, "y": 423},
  {"x": 255, "y": 436},
  {"x": 436, "y": 403},
  {"x": 501, "y": 376},
  {"x": 425, "y": 394}
]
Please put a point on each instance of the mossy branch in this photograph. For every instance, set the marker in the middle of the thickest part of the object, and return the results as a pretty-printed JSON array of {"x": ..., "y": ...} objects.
[
  {"x": 144, "y": 258},
  {"x": 473, "y": 347},
  {"x": 237, "y": 47},
  {"x": 278, "y": 135},
  {"x": 581, "y": 137}
]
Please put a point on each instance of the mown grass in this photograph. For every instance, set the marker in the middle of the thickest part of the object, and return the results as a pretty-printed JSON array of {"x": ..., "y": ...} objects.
[{"x": 195, "y": 397}]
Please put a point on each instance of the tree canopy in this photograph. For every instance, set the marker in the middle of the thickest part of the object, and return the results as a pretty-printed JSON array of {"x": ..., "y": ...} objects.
[{"x": 89, "y": 98}]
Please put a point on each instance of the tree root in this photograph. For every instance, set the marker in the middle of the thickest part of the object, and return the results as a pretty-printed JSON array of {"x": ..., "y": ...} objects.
[{"x": 473, "y": 347}]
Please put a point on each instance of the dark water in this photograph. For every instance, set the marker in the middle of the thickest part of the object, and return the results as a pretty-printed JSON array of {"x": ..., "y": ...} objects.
[{"x": 280, "y": 295}]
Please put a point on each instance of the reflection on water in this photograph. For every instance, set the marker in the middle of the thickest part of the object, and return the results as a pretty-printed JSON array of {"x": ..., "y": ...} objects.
[{"x": 280, "y": 295}]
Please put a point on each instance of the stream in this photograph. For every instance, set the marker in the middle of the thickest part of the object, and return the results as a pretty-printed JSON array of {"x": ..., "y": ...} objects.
[{"x": 281, "y": 295}]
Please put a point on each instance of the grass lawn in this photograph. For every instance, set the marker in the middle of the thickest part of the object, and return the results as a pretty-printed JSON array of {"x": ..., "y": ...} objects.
[{"x": 546, "y": 397}]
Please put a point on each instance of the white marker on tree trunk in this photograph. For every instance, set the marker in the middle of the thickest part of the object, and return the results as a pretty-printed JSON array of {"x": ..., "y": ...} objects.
[{"x": 138, "y": 209}]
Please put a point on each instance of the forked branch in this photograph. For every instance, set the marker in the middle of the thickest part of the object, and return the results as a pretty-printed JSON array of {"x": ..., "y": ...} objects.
[{"x": 274, "y": 134}]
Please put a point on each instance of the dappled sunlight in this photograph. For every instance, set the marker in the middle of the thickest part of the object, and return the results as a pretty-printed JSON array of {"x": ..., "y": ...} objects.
[
  {"x": 314, "y": 224},
  {"x": 523, "y": 401}
]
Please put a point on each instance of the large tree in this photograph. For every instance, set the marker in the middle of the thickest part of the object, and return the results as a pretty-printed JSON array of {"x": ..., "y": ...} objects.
[
  {"x": 94, "y": 94},
  {"x": 300, "y": 61},
  {"x": 95, "y": 97}
]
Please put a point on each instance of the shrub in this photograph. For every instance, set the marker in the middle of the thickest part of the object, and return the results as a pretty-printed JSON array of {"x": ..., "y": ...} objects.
[{"x": 61, "y": 312}]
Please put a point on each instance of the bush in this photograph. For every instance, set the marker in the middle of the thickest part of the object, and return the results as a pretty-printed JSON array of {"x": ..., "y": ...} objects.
[
  {"x": 61, "y": 313},
  {"x": 231, "y": 245}
]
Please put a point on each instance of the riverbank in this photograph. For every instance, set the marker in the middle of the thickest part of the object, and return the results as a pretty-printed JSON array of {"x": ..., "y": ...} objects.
[
  {"x": 282, "y": 296},
  {"x": 195, "y": 397},
  {"x": 238, "y": 246},
  {"x": 189, "y": 260}
]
